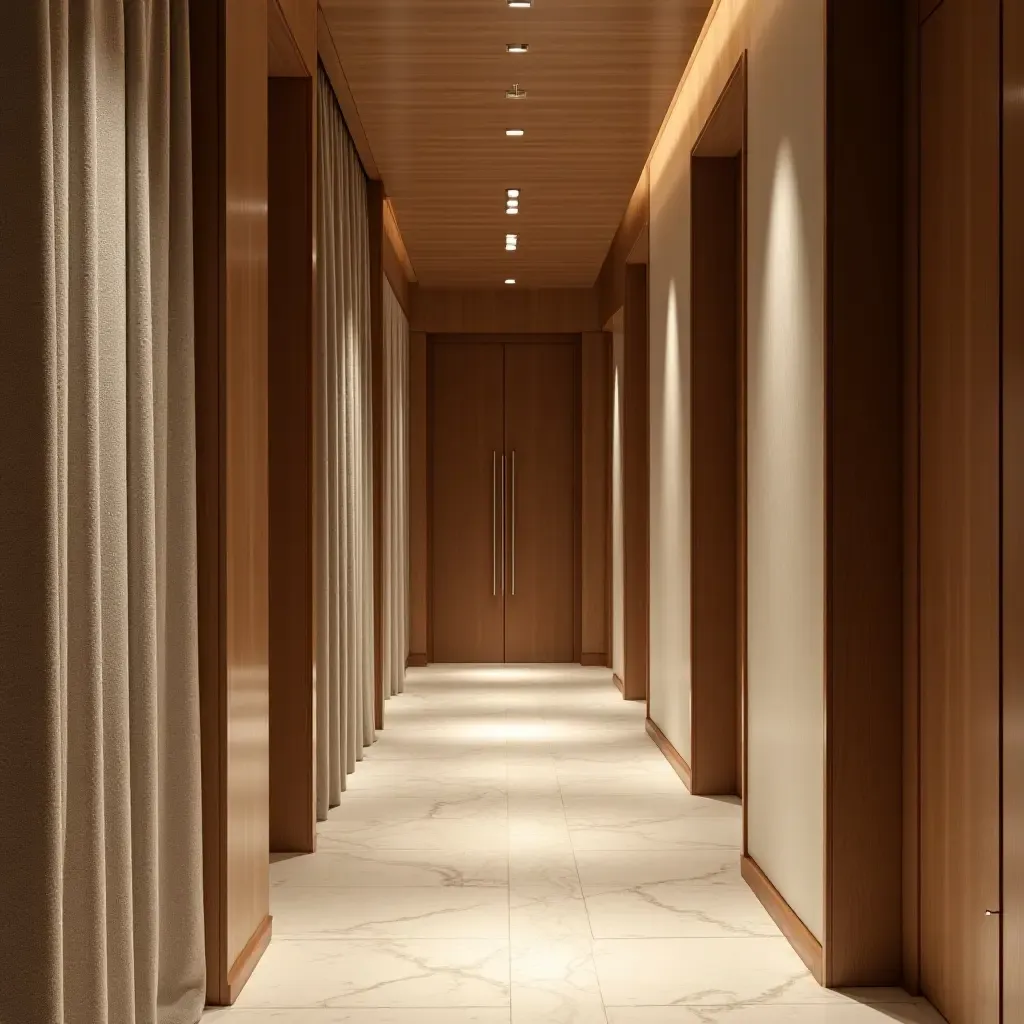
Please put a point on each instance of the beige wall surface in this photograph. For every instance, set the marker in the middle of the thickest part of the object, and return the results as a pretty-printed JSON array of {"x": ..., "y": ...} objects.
[
  {"x": 618, "y": 593},
  {"x": 785, "y": 42}
]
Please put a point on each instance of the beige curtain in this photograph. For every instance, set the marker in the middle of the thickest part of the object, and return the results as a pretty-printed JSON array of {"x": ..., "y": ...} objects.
[
  {"x": 344, "y": 557},
  {"x": 396, "y": 494},
  {"x": 100, "y": 845}
]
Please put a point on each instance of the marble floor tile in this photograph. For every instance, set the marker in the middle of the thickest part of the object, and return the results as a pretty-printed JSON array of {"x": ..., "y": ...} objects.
[
  {"x": 366, "y": 1015},
  {"x": 451, "y": 802},
  {"x": 665, "y": 972},
  {"x": 436, "y": 834},
  {"x": 602, "y": 870},
  {"x": 401, "y": 913},
  {"x": 424, "y": 973},
  {"x": 716, "y": 833},
  {"x": 392, "y": 868},
  {"x": 833, "y": 1013},
  {"x": 547, "y": 914},
  {"x": 555, "y": 983}
]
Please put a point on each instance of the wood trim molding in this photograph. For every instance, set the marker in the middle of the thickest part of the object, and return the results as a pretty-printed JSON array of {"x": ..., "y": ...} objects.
[
  {"x": 375, "y": 215},
  {"x": 247, "y": 960},
  {"x": 629, "y": 245},
  {"x": 594, "y": 660},
  {"x": 674, "y": 758},
  {"x": 618, "y": 682},
  {"x": 807, "y": 947},
  {"x": 394, "y": 233},
  {"x": 331, "y": 61}
]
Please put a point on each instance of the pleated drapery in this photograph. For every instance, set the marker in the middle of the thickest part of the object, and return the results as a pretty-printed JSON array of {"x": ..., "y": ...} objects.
[
  {"x": 344, "y": 478},
  {"x": 100, "y": 801},
  {"x": 396, "y": 494}
]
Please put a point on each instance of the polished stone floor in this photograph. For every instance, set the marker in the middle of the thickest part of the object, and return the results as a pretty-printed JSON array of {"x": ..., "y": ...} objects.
[{"x": 515, "y": 850}]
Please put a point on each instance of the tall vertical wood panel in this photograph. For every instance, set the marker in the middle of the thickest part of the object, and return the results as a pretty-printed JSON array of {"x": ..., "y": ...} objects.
[
  {"x": 596, "y": 440},
  {"x": 960, "y": 510},
  {"x": 635, "y": 484},
  {"x": 715, "y": 437},
  {"x": 1013, "y": 512},
  {"x": 419, "y": 545},
  {"x": 229, "y": 89},
  {"x": 291, "y": 344},
  {"x": 864, "y": 503}
]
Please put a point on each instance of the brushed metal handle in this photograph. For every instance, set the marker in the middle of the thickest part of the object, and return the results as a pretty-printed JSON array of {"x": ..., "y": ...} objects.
[
  {"x": 494, "y": 523},
  {"x": 503, "y": 524},
  {"x": 513, "y": 522}
]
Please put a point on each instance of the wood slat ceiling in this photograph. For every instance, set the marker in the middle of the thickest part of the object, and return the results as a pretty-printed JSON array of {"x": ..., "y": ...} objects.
[{"x": 429, "y": 80}]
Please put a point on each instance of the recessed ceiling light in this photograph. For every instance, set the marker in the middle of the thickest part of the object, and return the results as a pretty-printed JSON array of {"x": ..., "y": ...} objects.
[
  {"x": 512, "y": 211},
  {"x": 513, "y": 203},
  {"x": 511, "y": 247},
  {"x": 510, "y": 280},
  {"x": 517, "y": 47},
  {"x": 520, "y": 3},
  {"x": 514, "y": 132},
  {"x": 512, "y": 193}
]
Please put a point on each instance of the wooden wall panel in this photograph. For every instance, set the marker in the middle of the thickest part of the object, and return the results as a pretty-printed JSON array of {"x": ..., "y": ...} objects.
[
  {"x": 864, "y": 503},
  {"x": 504, "y": 311},
  {"x": 300, "y": 17},
  {"x": 635, "y": 484},
  {"x": 960, "y": 511},
  {"x": 1013, "y": 514},
  {"x": 397, "y": 265},
  {"x": 229, "y": 82},
  {"x": 596, "y": 437},
  {"x": 632, "y": 231},
  {"x": 715, "y": 432},
  {"x": 291, "y": 398},
  {"x": 418, "y": 534}
]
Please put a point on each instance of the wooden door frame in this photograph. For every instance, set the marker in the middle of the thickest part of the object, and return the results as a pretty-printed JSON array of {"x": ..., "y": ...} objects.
[{"x": 568, "y": 338}]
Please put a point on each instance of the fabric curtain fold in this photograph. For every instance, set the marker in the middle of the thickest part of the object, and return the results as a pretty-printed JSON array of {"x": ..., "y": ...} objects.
[
  {"x": 396, "y": 494},
  {"x": 100, "y": 792},
  {"x": 344, "y": 502}
]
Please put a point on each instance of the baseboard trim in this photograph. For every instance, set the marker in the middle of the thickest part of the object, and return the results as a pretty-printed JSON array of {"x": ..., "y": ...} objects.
[
  {"x": 416, "y": 661},
  {"x": 594, "y": 660},
  {"x": 807, "y": 947},
  {"x": 674, "y": 758},
  {"x": 249, "y": 958},
  {"x": 619, "y": 683}
]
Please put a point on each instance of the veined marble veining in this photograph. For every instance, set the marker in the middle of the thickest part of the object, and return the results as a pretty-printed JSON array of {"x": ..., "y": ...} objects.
[{"x": 515, "y": 850}]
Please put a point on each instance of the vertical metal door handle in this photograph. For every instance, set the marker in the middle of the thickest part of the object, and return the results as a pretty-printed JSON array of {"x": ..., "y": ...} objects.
[
  {"x": 503, "y": 523},
  {"x": 513, "y": 522},
  {"x": 494, "y": 523}
]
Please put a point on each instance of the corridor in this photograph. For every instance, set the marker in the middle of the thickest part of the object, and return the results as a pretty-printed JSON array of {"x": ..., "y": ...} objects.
[{"x": 515, "y": 848}]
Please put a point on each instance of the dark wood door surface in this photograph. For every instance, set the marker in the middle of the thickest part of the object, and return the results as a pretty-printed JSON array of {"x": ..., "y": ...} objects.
[
  {"x": 540, "y": 411},
  {"x": 466, "y": 410}
]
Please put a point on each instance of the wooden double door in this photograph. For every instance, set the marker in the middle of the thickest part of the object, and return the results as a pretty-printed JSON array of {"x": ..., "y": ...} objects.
[{"x": 504, "y": 522}]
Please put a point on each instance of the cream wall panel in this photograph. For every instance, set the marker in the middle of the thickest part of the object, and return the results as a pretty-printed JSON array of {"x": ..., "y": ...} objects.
[
  {"x": 618, "y": 591},
  {"x": 785, "y": 41}
]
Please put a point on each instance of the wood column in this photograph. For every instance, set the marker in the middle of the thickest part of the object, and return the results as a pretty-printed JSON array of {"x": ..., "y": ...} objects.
[
  {"x": 375, "y": 210},
  {"x": 292, "y": 342},
  {"x": 419, "y": 544},
  {"x": 635, "y": 485},
  {"x": 596, "y": 438},
  {"x": 229, "y": 132}
]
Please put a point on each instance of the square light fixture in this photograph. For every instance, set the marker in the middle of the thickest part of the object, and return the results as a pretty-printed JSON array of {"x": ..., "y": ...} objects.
[
  {"x": 514, "y": 132},
  {"x": 512, "y": 204},
  {"x": 512, "y": 193},
  {"x": 520, "y": 3},
  {"x": 517, "y": 47},
  {"x": 510, "y": 280},
  {"x": 512, "y": 211},
  {"x": 510, "y": 247}
]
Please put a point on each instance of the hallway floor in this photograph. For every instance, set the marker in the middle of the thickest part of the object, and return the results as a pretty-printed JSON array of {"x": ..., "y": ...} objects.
[{"x": 515, "y": 849}]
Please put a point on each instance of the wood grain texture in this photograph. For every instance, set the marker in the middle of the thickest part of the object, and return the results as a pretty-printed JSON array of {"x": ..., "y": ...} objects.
[
  {"x": 329, "y": 57},
  {"x": 960, "y": 510},
  {"x": 541, "y": 520},
  {"x": 284, "y": 56},
  {"x": 911, "y": 507},
  {"x": 467, "y": 591},
  {"x": 611, "y": 280},
  {"x": 397, "y": 268},
  {"x": 596, "y": 436},
  {"x": 448, "y": 165},
  {"x": 377, "y": 245},
  {"x": 1013, "y": 514},
  {"x": 300, "y": 17},
  {"x": 800, "y": 938},
  {"x": 504, "y": 311},
  {"x": 635, "y": 485},
  {"x": 418, "y": 518},
  {"x": 716, "y": 233},
  {"x": 864, "y": 500},
  {"x": 247, "y": 960},
  {"x": 291, "y": 409},
  {"x": 664, "y": 744},
  {"x": 229, "y": 81}
]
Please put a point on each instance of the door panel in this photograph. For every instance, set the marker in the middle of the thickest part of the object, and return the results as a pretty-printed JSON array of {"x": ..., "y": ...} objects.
[
  {"x": 959, "y": 511},
  {"x": 466, "y": 409},
  {"x": 540, "y": 406}
]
